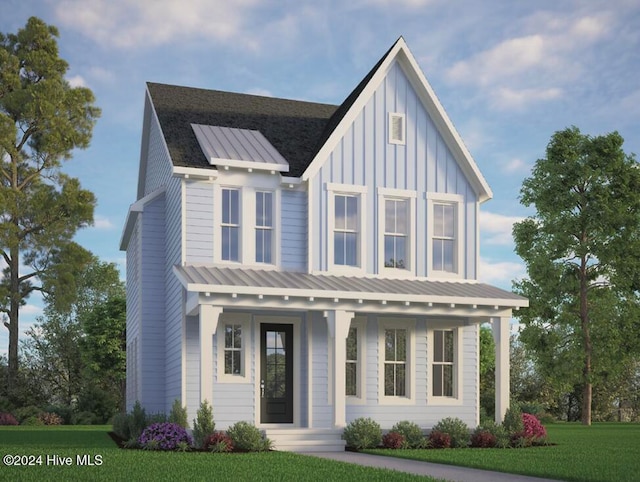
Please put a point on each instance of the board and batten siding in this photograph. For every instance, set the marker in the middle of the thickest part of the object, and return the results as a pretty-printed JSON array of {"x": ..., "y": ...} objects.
[
  {"x": 321, "y": 410},
  {"x": 364, "y": 157},
  {"x": 293, "y": 244},
  {"x": 199, "y": 236}
]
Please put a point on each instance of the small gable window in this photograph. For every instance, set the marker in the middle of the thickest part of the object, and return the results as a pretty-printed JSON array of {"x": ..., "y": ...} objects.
[{"x": 397, "y": 128}]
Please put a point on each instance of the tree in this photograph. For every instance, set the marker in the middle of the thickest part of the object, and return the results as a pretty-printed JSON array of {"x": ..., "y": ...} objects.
[
  {"x": 582, "y": 253},
  {"x": 42, "y": 120},
  {"x": 487, "y": 373}
]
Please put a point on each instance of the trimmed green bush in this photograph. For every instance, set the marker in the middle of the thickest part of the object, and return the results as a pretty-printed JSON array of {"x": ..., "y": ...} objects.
[
  {"x": 121, "y": 426},
  {"x": 502, "y": 438},
  {"x": 512, "y": 422},
  {"x": 203, "y": 424},
  {"x": 178, "y": 414},
  {"x": 137, "y": 421},
  {"x": 411, "y": 432},
  {"x": 32, "y": 421},
  {"x": 247, "y": 437},
  {"x": 456, "y": 429},
  {"x": 362, "y": 433},
  {"x": 24, "y": 413}
]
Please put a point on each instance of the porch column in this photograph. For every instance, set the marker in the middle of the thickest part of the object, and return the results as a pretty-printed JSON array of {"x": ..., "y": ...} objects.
[
  {"x": 209, "y": 316},
  {"x": 501, "y": 332},
  {"x": 338, "y": 323}
]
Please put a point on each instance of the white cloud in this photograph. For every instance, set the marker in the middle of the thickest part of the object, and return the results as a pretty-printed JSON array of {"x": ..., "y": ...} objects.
[
  {"x": 259, "y": 91},
  {"x": 31, "y": 310},
  {"x": 102, "y": 222},
  {"x": 77, "y": 81},
  {"x": 496, "y": 228},
  {"x": 516, "y": 165},
  {"x": 501, "y": 272},
  {"x": 396, "y": 3},
  {"x": 507, "y": 98},
  {"x": 126, "y": 24}
]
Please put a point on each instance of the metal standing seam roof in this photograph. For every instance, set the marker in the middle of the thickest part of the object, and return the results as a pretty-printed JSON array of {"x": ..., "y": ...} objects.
[
  {"x": 233, "y": 146},
  {"x": 212, "y": 279}
]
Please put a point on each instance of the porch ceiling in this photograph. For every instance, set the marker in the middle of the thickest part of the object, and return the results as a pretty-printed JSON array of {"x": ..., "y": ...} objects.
[{"x": 292, "y": 286}]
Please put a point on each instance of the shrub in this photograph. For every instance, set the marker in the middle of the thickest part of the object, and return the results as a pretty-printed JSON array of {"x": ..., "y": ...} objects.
[
  {"x": 247, "y": 437},
  {"x": 50, "y": 418},
  {"x": 533, "y": 429},
  {"x": 512, "y": 422},
  {"x": 32, "y": 421},
  {"x": 483, "y": 439},
  {"x": 439, "y": 440},
  {"x": 137, "y": 421},
  {"x": 203, "y": 424},
  {"x": 121, "y": 426},
  {"x": 362, "y": 433},
  {"x": 178, "y": 414},
  {"x": 85, "y": 418},
  {"x": 164, "y": 436},
  {"x": 63, "y": 411},
  {"x": 502, "y": 439},
  {"x": 393, "y": 440},
  {"x": 24, "y": 413},
  {"x": 218, "y": 442},
  {"x": 457, "y": 430},
  {"x": 411, "y": 432},
  {"x": 7, "y": 419}
]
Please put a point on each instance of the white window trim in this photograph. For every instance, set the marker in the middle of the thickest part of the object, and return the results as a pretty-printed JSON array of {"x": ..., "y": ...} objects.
[
  {"x": 409, "y": 325},
  {"x": 272, "y": 228},
  {"x": 349, "y": 190},
  {"x": 457, "y": 201},
  {"x": 244, "y": 320},
  {"x": 458, "y": 329},
  {"x": 247, "y": 255},
  {"x": 392, "y": 140},
  {"x": 385, "y": 193}
]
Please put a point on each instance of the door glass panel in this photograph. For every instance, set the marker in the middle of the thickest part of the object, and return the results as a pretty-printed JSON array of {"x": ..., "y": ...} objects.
[{"x": 275, "y": 383}]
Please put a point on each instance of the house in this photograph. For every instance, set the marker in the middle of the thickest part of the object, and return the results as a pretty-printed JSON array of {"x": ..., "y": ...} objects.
[{"x": 300, "y": 265}]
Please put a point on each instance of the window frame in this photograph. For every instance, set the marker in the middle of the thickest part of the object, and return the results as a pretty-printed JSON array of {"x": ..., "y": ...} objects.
[
  {"x": 410, "y": 197},
  {"x": 264, "y": 228},
  {"x": 237, "y": 226},
  {"x": 458, "y": 334},
  {"x": 409, "y": 325},
  {"x": 359, "y": 192},
  {"x": 244, "y": 321},
  {"x": 457, "y": 202},
  {"x": 360, "y": 324}
]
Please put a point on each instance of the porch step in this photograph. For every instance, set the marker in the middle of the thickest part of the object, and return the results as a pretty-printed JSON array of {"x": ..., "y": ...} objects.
[{"x": 306, "y": 439}]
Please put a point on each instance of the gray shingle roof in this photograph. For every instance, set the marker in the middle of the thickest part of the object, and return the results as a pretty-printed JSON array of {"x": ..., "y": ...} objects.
[
  {"x": 213, "y": 279},
  {"x": 295, "y": 128}
]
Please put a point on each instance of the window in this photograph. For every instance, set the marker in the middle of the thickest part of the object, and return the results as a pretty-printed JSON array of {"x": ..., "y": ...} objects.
[
  {"x": 396, "y": 128},
  {"x": 395, "y": 362},
  {"x": 264, "y": 227},
  {"x": 443, "y": 363},
  {"x": 396, "y": 230},
  {"x": 351, "y": 389},
  {"x": 233, "y": 349},
  {"x": 345, "y": 234},
  {"x": 444, "y": 237},
  {"x": 230, "y": 225}
]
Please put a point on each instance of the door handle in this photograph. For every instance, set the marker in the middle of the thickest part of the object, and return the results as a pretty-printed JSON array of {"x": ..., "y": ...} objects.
[{"x": 262, "y": 388}]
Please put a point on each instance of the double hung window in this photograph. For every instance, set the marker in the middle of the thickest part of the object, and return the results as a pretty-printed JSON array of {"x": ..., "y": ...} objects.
[
  {"x": 230, "y": 225},
  {"x": 264, "y": 227}
]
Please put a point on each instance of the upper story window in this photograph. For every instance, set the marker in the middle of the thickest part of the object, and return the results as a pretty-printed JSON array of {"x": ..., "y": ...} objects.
[
  {"x": 345, "y": 232},
  {"x": 396, "y": 233},
  {"x": 445, "y": 254},
  {"x": 346, "y": 227},
  {"x": 264, "y": 227},
  {"x": 444, "y": 237},
  {"x": 230, "y": 224},
  {"x": 397, "y": 128}
]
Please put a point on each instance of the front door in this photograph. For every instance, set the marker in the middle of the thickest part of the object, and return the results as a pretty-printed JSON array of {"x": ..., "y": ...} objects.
[{"x": 276, "y": 373}]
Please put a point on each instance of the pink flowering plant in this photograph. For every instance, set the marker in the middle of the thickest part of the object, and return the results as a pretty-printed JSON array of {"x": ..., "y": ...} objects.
[
  {"x": 165, "y": 436},
  {"x": 7, "y": 419},
  {"x": 533, "y": 429}
]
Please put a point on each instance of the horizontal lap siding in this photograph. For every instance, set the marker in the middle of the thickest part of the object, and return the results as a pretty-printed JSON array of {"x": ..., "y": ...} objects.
[
  {"x": 364, "y": 157},
  {"x": 133, "y": 317},
  {"x": 192, "y": 359},
  {"x": 199, "y": 222},
  {"x": 294, "y": 231}
]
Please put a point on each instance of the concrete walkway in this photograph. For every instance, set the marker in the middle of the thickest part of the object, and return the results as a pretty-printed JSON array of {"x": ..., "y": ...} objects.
[{"x": 439, "y": 471}]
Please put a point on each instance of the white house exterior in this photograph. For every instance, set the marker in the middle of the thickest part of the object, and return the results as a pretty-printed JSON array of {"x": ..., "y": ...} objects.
[{"x": 300, "y": 265}]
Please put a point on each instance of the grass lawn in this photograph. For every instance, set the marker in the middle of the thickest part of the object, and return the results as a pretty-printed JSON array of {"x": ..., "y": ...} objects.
[
  {"x": 134, "y": 465},
  {"x": 602, "y": 452}
]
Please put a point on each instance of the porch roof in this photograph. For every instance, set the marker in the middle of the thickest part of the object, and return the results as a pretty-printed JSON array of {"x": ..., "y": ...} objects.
[{"x": 244, "y": 281}]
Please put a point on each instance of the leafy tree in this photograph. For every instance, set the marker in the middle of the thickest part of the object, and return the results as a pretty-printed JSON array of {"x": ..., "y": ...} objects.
[
  {"x": 487, "y": 372},
  {"x": 42, "y": 120},
  {"x": 582, "y": 252}
]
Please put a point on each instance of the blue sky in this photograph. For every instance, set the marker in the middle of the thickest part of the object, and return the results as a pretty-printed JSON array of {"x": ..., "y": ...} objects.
[{"x": 508, "y": 73}]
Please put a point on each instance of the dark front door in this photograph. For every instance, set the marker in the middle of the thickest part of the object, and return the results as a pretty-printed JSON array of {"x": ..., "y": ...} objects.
[{"x": 276, "y": 373}]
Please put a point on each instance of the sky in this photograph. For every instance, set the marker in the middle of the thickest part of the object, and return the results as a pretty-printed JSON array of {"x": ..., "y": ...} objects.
[{"x": 508, "y": 73}]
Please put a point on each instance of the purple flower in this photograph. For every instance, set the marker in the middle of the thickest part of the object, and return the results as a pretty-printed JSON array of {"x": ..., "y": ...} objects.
[{"x": 166, "y": 435}]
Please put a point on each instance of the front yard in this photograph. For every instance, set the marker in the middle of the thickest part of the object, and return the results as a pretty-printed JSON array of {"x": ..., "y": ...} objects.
[{"x": 602, "y": 452}]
